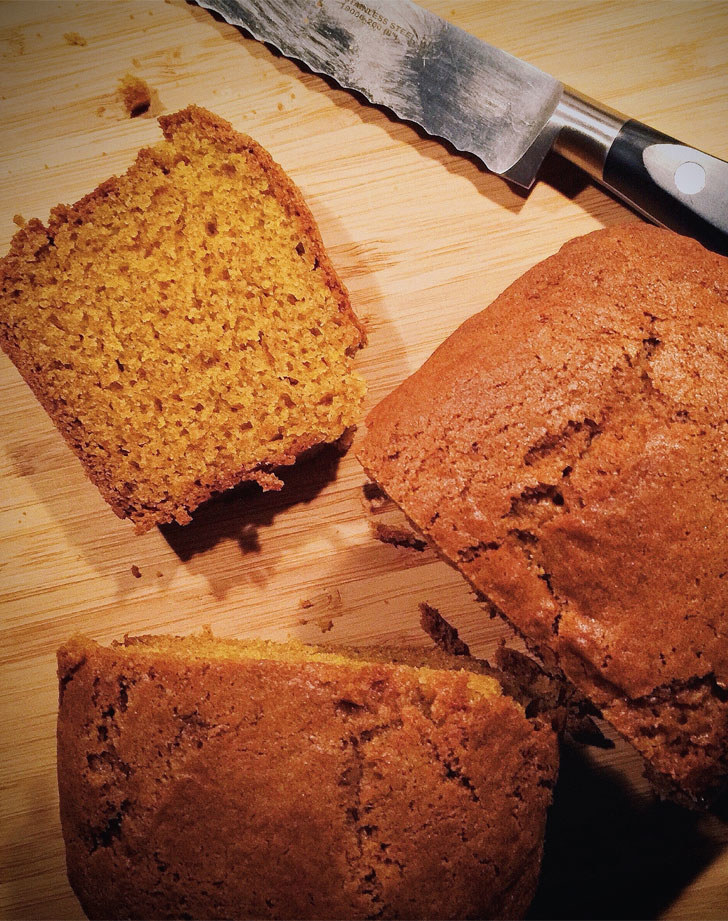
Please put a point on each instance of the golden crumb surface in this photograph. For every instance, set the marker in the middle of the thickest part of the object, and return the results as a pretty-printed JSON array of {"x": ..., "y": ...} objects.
[{"x": 182, "y": 324}]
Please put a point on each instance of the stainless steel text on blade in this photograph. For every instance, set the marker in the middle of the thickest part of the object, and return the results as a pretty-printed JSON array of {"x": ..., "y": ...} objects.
[{"x": 482, "y": 100}]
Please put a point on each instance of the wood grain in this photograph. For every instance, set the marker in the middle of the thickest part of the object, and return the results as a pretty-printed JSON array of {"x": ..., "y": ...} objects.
[{"x": 423, "y": 238}]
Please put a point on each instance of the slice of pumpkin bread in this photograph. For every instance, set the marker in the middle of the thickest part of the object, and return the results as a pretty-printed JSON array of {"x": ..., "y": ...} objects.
[
  {"x": 182, "y": 324},
  {"x": 208, "y": 778}
]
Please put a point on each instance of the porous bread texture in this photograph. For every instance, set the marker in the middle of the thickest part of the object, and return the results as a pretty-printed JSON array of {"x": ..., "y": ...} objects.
[
  {"x": 182, "y": 324},
  {"x": 205, "y": 778},
  {"x": 566, "y": 449}
]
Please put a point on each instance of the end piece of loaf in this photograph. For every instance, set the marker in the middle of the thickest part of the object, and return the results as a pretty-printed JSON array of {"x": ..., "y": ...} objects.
[
  {"x": 207, "y": 778},
  {"x": 182, "y": 324},
  {"x": 566, "y": 449}
]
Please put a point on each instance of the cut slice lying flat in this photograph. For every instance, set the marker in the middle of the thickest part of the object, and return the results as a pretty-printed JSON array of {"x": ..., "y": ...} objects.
[{"x": 182, "y": 324}]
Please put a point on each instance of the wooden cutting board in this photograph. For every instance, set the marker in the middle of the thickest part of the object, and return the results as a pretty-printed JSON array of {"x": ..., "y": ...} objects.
[{"x": 423, "y": 238}]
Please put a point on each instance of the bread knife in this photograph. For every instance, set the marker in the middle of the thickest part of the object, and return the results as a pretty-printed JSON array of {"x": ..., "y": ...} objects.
[{"x": 488, "y": 103}]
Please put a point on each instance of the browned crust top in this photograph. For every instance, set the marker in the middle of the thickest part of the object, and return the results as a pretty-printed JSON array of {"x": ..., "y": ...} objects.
[
  {"x": 566, "y": 449},
  {"x": 340, "y": 791}
]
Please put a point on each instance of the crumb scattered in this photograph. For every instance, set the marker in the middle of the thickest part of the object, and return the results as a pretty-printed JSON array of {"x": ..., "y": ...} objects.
[
  {"x": 100, "y": 111},
  {"x": 346, "y": 439},
  {"x": 280, "y": 106},
  {"x": 293, "y": 95},
  {"x": 269, "y": 481},
  {"x": 159, "y": 573},
  {"x": 398, "y": 537},
  {"x": 326, "y": 608},
  {"x": 375, "y": 498},
  {"x": 135, "y": 95},
  {"x": 442, "y": 633},
  {"x": 550, "y": 697},
  {"x": 19, "y": 220},
  {"x": 136, "y": 572},
  {"x": 73, "y": 38},
  {"x": 543, "y": 695},
  {"x": 135, "y": 62}
]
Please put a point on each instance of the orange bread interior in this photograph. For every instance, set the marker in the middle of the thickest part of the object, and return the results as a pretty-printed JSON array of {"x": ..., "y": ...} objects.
[{"x": 182, "y": 324}]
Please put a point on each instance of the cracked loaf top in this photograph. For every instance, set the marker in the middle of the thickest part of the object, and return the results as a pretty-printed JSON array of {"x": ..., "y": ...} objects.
[
  {"x": 567, "y": 450},
  {"x": 205, "y": 778}
]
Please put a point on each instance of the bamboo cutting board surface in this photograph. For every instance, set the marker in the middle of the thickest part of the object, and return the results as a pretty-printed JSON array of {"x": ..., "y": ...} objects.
[{"x": 423, "y": 238}]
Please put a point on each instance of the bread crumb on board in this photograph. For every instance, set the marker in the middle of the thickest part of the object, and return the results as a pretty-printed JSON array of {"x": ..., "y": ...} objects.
[
  {"x": 19, "y": 220},
  {"x": 374, "y": 498},
  {"x": 136, "y": 572},
  {"x": 398, "y": 537},
  {"x": 73, "y": 38},
  {"x": 327, "y": 606},
  {"x": 136, "y": 95},
  {"x": 442, "y": 633}
]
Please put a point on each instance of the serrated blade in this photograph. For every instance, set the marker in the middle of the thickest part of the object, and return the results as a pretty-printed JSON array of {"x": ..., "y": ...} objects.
[{"x": 399, "y": 55}]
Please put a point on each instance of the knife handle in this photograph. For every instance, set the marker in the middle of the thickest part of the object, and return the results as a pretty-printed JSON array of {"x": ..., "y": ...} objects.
[{"x": 670, "y": 183}]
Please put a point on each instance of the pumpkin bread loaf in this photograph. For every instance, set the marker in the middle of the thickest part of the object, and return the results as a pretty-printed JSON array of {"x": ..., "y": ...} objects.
[
  {"x": 182, "y": 324},
  {"x": 567, "y": 450},
  {"x": 207, "y": 778}
]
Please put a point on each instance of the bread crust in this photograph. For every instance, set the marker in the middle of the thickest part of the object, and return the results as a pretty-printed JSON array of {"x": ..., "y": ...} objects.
[
  {"x": 34, "y": 238},
  {"x": 195, "y": 786},
  {"x": 566, "y": 450}
]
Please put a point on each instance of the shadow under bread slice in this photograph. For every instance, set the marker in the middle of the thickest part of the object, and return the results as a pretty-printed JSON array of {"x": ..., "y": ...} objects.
[
  {"x": 182, "y": 324},
  {"x": 204, "y": 778},
  {"x": 566, "y": 449}
]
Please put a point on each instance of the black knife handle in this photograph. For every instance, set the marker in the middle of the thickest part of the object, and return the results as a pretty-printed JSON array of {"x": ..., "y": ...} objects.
[
  {"x": 672, "y": 184},
  {"x": 669, "y": 182}
]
